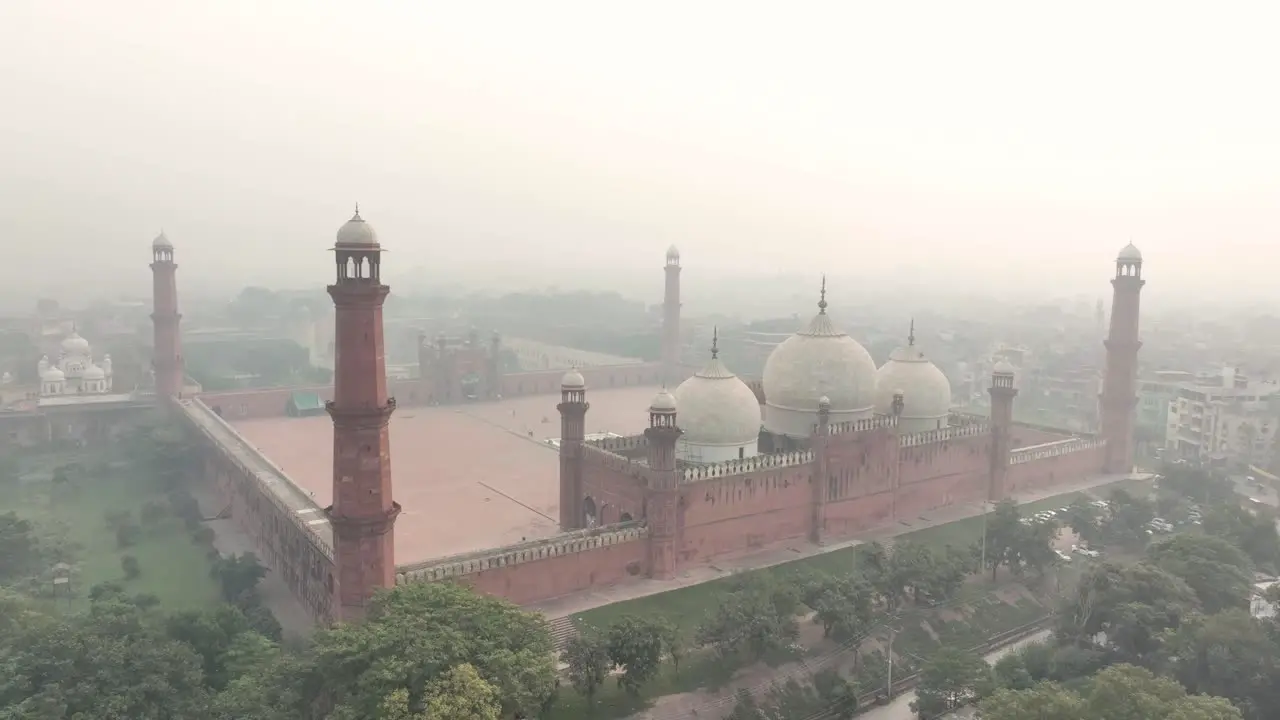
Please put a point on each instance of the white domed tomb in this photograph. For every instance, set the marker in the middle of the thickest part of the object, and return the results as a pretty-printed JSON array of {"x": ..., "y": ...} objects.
[{"x": 926, "y": 392}]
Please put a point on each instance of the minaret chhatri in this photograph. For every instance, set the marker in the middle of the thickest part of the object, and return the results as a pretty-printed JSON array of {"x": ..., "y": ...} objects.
[
  {"x": 1120, "y": 384},
  {"x": 166, "y": 352},
  {"x": 671, "y": 320},
  {"x": 363, "y": 513}
]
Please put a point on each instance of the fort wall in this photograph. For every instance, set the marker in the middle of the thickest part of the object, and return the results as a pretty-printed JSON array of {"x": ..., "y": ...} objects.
[
  {"x": 615, "y": 484},
  {"x": 729, "y": 512},
  {"x": 942, "y": 467},
  {"x": 1054, "y": 463},
  {"x": 1028, "y": 434},
  {"x": 862, "y": 474},
  {"x": 539, "y": 570},
  {"x": 547, "y": 382},
  {"x": 289, "y": 530}
]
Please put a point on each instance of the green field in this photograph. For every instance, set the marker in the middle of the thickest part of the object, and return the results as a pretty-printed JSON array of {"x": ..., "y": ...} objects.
[
  {"x": 686, "y": 607},
  {"x": 70, "y": 518}
]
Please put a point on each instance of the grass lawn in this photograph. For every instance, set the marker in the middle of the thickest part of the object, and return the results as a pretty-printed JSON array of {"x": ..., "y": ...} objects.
[
  {"x": 686, "y": 607},
  {"x": 173, "y": 567}
]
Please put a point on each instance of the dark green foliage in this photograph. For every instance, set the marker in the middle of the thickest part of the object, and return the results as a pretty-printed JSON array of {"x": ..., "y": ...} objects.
[
  {"x": 129, "y": 565},
  {"x": 757, "y": 618}
]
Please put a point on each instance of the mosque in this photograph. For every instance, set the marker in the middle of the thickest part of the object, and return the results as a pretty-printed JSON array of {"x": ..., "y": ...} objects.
[
  {"x": 74, "y": 372},
  {"x": 822, "y": 447}
]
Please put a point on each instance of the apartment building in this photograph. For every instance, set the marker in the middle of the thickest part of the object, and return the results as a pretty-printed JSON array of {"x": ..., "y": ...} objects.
[{"x": 1224, "y": 417}]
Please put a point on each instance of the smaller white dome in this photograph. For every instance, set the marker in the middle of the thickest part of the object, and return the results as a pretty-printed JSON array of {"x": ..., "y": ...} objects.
[
  {"x": 824, "y": 402},
  {"x": 75, "y": 345},
  {"x": 93, "y": 372},
  {"x": 572, "y": 380},
  {"x": 1003, "y": 368},
  {"x": 53, "y": 374},
  {"x": 106, "y": 362},
  {"x": 1130, "y": 252},
  {"x": 923, "y": 388},
  {"x": 663, "y": 402},
  {"x": 161, "y": 242},
  {"x": 673, "y": 253},
  {"x": 357, "y": 233},
  {"x": 717, "y": 409}
]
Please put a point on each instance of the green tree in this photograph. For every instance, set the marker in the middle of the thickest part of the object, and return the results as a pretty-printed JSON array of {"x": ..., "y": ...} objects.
[
  {"x": 1208, "y": 654},
  {"x": 417, "y": 632},
  {"x": 756, "y": 618},
  {"x": 1127, "y": 524},
  {"x": 950, "y": 678},
  {"x": 461, "y": 694},
  {"x": 110, "y": 663},
  {"x": 587, "y": 656},
  {"x": 238, "y": 575},
  {"x": 1219, "y": 573},
  {"x": 1127, "y": 692},
  {"x": 1133, "y": 604},
  {"x": 1003, "y": 536},
  {"x": 636, "y": 645},
  {"x": 1256, "y": 536},
  {"x": 1045, "y": 701},
  {"x": 19, "y": 547}
]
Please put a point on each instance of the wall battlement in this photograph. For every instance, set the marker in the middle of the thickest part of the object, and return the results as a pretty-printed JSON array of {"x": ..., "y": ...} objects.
[
  {"x": 277, "y": 485},
  {"x": 594, "y": 455},
  {"x": 946, "y": 434},
  {"x": 1053, "y": 449},
  {"x": 962, "y": 417},
  {"x": 481, "y": 560},
  {"x": 863, "y": 425},
  {"x": 616, "y": 444},
  {"x": 747, "y": 465}
]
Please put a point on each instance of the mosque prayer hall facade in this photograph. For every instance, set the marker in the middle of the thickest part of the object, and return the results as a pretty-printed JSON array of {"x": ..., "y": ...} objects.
[{"x": 525, "y": 498}]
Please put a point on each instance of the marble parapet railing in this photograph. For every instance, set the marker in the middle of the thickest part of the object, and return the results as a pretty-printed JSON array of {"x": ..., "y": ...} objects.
[
  {"x": 576, "y": 541},
  {"x": 620, "y": 444},
  {"x": 929, "y": 437},
  {"x": 730, "y": 468},
  {"x": 1054, "y": 449},
  {"x": 863, "y": 425}
]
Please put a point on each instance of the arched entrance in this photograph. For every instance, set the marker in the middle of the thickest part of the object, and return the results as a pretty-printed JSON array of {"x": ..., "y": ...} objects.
[
  {"x": 625, "y": 517},
  {"x": 590, "y": 515}
]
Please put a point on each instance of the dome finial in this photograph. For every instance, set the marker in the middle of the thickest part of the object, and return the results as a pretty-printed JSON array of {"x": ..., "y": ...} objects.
[
  {"x": 715, "y": 342},
  {"x": 911, "y": 334},
  {"x": 822, "y": 296},
  {"x": 357, "y": 209}
]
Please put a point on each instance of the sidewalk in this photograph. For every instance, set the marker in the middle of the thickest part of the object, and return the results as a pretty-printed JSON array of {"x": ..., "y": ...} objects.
[{"x": 789, "y": 551}]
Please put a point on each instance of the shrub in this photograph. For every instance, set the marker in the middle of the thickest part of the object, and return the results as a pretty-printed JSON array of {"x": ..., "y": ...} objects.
[
  {"x": 127, "y": 535},
  {"x": 129, "y": 564},
  {"x": 202, "y": 535},
  {"x": 153, "y": 512}
]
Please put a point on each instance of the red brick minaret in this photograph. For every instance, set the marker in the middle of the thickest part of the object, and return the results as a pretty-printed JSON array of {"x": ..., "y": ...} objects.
[
  {"x": 1120, "y": 385},
  {"x": 573, "y": 417},
  {"x": 166, "y": 352},
  {"x": 663, "y": 500},
  {"x": 671, "y": 320},
  {"x": 363, "y": 513},
  {"x": 1002, "y": 394}
]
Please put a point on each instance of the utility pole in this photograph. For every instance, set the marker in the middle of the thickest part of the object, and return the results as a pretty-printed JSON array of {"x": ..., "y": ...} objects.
[{"x": 889, "y": 655}]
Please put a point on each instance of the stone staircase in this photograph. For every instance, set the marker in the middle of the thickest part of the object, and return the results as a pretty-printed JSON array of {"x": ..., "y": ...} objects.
[{"x": 562, "y": 631}]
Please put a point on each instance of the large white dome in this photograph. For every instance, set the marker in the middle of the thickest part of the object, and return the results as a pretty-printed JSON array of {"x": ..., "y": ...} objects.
[
  {"x": 926, "y": 392},
  {"x": 717, "y": 408},
  {"x": 816, "y": 362}
]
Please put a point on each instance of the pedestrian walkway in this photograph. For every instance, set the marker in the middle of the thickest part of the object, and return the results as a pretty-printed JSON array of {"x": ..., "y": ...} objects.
[{"x": 794, "y": 550}]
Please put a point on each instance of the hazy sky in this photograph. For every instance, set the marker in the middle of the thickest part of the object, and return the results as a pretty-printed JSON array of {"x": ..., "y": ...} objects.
[{"x": 967, "y": 143}]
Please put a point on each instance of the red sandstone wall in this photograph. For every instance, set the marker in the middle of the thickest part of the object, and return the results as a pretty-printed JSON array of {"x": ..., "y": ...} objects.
[
  {"x": 861, "y": 472},
  {"x": 1047, "y": 472},
  {"x": 725, "y": 515},
  {"x": 614, "y": 492},
  {"x": 259, "y": 403},
  {"x": 552, "y": 577},
  {"x": 941, "y": 474}
]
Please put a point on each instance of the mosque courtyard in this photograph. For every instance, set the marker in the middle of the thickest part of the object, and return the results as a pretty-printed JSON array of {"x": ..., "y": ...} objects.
[{"x": 469, "y": 477}]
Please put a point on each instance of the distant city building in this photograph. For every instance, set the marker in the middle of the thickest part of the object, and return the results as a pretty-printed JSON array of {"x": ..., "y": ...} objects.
[{"x": 1231, "y": 419}]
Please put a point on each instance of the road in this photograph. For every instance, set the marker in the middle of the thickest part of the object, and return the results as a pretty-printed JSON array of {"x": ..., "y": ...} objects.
[{"x": 900, "y": 708}]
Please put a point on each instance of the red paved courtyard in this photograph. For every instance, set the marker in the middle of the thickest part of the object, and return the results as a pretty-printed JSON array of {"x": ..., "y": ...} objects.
[{"x": 469, "y": 477}]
